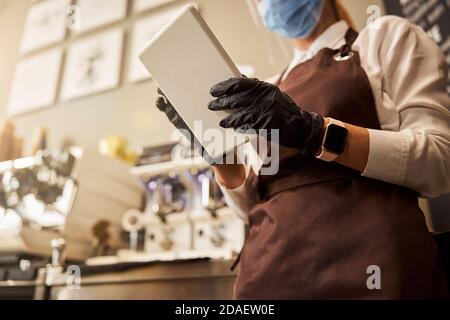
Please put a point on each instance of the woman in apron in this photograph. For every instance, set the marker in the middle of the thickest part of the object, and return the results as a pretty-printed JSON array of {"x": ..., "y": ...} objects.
[{"x": 362, "y": 132}]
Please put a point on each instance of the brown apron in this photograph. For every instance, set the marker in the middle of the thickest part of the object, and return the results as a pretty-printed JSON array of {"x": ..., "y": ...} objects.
[{"x": 320, "y": 226}]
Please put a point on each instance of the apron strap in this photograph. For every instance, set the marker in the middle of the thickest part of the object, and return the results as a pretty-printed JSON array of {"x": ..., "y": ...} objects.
[
  {"x": 280, "y": 78},
  {"x": 350, "y": 38}
]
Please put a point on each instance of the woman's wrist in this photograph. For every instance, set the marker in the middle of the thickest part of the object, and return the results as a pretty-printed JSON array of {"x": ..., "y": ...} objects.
[
  {"x": 356, "y": 152},
  {"x": 231, "y": 176}
]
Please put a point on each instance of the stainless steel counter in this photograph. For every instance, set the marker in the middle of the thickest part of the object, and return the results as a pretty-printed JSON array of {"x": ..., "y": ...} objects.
[{"x": 201, "y": 279}]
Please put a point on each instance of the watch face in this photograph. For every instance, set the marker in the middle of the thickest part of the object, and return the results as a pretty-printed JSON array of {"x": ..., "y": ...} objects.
[{"x": 335, "y": 139}]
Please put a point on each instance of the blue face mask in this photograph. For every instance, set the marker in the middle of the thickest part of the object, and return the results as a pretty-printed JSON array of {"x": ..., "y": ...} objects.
[{"x": 291, "y": 18}]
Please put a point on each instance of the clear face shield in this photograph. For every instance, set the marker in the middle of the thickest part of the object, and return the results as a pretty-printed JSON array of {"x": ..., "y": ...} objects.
[{"x": 278, "y": 49}]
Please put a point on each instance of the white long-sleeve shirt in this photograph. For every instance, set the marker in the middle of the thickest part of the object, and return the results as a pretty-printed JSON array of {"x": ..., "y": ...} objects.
[{"x": 408, "y": 76}]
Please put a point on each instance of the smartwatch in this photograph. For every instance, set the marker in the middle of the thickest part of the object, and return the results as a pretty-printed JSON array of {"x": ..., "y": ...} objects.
[{"x": 334, "y": 140}]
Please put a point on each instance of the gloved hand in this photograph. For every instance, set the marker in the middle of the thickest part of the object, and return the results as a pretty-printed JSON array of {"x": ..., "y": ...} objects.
[
  {"x": 261, "y": 105},
  {"x": 164, "y": 105}
]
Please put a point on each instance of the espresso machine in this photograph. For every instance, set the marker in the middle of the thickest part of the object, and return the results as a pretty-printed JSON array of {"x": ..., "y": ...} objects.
[
  {"x": 125, "y": 233},
  {"x": 185, "y": 216},
  {"x": 168, "y": 228},
  {"x": 77, "y": 195},
  {"x": 217, "y": 231}
]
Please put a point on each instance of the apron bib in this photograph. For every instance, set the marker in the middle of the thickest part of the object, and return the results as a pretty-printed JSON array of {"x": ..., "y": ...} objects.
[{"x": 321, "y": 228}]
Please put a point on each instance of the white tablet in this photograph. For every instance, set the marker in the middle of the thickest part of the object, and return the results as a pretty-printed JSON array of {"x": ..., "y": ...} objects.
[{"x": 185, "y": 59}]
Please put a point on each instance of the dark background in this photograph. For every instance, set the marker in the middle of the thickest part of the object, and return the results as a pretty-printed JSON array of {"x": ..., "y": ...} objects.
[{"x": 434, "y": 17}]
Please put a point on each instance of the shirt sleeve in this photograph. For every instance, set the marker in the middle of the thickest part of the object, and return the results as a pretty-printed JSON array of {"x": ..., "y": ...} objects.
[
  {"x": 244, "y": 197},
  {"x": 414, "y": 147}
]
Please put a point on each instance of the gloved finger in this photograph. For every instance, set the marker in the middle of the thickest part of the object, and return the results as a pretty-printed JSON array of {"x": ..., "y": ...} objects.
[
  {"x": 239, "y": 100},
  {"x": 244, "y": 128},
  {"x": 236, "y": 119},
  {"x": 161, "y": 92},
  {"x": 163, "y": 105},
  {"x": 172, "y": 115},
  {"x": 249, "y": 121},
  {"x": 180, "y": 124},
  {"x": 233, "y": 85},
  {"x": 162, "y": 95}
]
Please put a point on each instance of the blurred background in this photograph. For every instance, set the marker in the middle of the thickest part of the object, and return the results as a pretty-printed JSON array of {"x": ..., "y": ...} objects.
[
  {"x": 92, "y": 205},
  {"x": 128, "y": 110}
]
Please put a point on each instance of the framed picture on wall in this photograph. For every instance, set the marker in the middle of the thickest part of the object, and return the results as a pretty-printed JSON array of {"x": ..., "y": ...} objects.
[
  {"x": 93, "y": 65},
  {"x": 45, "y": 25},
  {"x": 144, "y": 30},
  {"x": 97, "y": 13},
  {"x": 35, "y": 82},
  {"x": 143, "y": 5}
]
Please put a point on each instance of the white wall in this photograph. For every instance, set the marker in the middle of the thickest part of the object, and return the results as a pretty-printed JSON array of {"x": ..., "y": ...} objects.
[{"x": 129, "y": 110}]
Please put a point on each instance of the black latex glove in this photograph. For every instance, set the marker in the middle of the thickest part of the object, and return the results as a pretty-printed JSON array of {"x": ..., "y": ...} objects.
[
  {"x": 164, "y": 105},
  {"x": 261, "y": 105}
]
